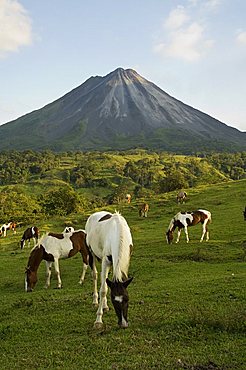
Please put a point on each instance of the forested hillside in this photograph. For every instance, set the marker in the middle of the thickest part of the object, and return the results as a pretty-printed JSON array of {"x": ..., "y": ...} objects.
[{"x": 40, "y": 184}]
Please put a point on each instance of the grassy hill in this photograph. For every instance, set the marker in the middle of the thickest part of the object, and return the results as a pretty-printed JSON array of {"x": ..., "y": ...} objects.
[{"x": 187, "y": 301}]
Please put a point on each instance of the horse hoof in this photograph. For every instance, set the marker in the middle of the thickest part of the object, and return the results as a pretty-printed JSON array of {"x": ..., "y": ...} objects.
[{"x": 98, "y": 325}]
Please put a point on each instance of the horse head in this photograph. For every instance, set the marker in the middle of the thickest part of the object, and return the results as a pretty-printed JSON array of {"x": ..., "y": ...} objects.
[
  {"x": 169, "y": 236},
  {"x": 119, "y": 298},
  {"x": 30, "y": 279}
]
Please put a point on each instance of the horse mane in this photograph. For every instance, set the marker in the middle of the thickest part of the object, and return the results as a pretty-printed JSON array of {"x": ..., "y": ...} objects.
[
  {"x": 121, "y": 258},
  {"x": 171, "y": 223}
]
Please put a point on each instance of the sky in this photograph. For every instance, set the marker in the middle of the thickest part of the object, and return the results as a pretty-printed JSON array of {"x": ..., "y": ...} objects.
[{"x": 194, "y": 50}]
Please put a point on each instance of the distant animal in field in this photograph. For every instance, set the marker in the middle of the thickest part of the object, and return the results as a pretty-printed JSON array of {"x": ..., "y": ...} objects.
[
  {"x": 128, "y": 198},
  {"x": 143, "y": 210},
  {"x": 51, "y": 248},
  {"x": 181, "y": 197},
  {"x": 244, "y": 214},
  {"x": 9, "y": 226},
  {"x": 183, "y": 220},
  {"x": 68, "y": 229},
  {"x": 109, "y": 238},
  {"x": 30, "y": 233}
]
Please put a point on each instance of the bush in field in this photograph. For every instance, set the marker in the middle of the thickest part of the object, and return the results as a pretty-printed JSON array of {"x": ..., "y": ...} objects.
[
  {"x": 173, "y": 181},
  {"x": 61, "y": 201},
  {"x": 17, "y": 206}
]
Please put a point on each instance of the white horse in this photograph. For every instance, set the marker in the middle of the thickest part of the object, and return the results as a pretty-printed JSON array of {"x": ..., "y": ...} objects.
[
  {"x": 184, "y": 219},
  {"x": 109, "y": 238}
]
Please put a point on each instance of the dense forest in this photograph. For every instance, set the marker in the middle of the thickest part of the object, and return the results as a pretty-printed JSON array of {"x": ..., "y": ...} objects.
[{"x": 41, "y": 184}]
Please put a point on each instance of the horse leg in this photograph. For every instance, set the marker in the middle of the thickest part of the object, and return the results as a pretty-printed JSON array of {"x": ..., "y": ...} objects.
[
  {"x": 82, "y": 278},
  {"x": 58, "y": 275},
  {"x": 48, "y": 274},
  {"x": 178, "y": 235},
  {"x": 186, "y": 233},
  {"x": 94, "y": 276},
  {"x": 204, "y": 231},
  {"x": 103, "y": 293}
]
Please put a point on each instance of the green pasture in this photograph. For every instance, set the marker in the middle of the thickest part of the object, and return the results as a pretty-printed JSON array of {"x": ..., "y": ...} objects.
[{"x": 187, "y": 301}]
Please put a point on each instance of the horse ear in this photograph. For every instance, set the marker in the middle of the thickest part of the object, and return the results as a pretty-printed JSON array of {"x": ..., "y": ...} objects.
[
  {"x": 127, "y": 282},
  {"x": 109, "y": 282}
]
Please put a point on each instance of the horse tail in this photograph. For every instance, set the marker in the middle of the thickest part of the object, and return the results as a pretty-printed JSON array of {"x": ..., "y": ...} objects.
[{"x": 121, "y": 256}]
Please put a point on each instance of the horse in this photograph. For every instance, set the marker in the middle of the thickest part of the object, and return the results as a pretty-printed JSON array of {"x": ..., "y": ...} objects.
[
  {"x": 109, "y": 238},
  {"x": 51, "y": 248},
  {"x": 181, "y": 196},
  {"x": 143, "y": 210},
  {"x": 9, "y": 226},
  {"x": 128, "y": 198},
  {"x": 30, "y": 233},
  {"x": 182, "y": 220}
]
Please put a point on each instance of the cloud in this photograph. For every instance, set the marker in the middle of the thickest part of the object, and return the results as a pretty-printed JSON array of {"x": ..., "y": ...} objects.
[
  {"x": 212, "y": 4},
  {"x": 177, "y": 18},
  {"x": 185, "y": 37},
  {"x": 186, "y": 43},
  {"x": 241, "y": 37},
  {"x": 15, "y": 26}
]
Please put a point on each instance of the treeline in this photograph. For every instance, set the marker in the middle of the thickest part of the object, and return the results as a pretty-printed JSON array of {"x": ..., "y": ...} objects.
[{"x": 42, "y": 184}]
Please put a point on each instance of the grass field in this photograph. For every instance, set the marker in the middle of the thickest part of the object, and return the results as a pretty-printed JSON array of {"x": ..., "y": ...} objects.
[{"x": 187, "y": 301}]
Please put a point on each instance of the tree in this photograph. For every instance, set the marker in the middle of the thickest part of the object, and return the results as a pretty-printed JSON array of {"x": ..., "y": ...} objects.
[
  {"x": 61, "y": 201},
  {"x": 173, "y": 181}
]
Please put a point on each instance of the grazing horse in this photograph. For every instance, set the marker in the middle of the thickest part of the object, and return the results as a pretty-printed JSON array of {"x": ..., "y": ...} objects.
[
  {"x": 128, "y": 198},
  {"x": 184, "y": 219},
  {"x": 244, "y": 214},
  {"x": 51, "y": 248},
  {"x": 30, "y": 233},
  {"x": 109, "y": 238},
  {"x": 143, "y": 210},
  {"x": 9, "y": 226},
  {"x": 181, "y": 196}
]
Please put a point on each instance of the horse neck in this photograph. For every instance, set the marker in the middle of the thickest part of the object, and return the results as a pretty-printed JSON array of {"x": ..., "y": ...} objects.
[
  {"x": 36, "y": 256},
  {"x": 172, "y": 226},
  {"x": 121, "y": 249}
]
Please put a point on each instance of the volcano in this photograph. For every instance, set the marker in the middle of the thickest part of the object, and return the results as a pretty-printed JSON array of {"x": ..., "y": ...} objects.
[{"x": 119, "y": 111}]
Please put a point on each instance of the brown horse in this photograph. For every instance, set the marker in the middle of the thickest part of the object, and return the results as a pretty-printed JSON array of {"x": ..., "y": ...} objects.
[
  {"x": 181, "y": 196},
  {"x": 143, "y": 210}
]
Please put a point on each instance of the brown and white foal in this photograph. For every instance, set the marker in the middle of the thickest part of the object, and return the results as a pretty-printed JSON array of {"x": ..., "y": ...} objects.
[
  {"x": 183, "y": 220},
  {"x": 53, "y": 247}
]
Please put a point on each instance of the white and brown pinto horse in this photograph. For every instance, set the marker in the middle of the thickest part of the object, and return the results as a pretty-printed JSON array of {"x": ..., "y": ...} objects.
[
  {"x": 109, "y": 238},
  {"x": 183, "y": 220},
  {"x": 53, "y": 247},
  {"x": 9, "y": 226},
  {"x": 143, "y": 210},
  {"x": 30, "y": 233}
]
